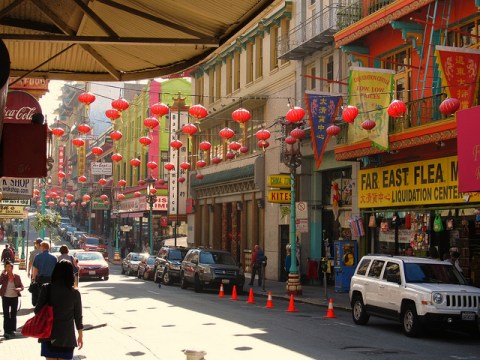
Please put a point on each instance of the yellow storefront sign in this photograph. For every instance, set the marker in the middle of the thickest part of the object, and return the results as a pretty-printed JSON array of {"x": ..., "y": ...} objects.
[
  {"x": 281, "y": 181},
  {"x": 12, "y": 212},
  {"x": 279, "y": 196},
  {"x": 417, "y": 183}
]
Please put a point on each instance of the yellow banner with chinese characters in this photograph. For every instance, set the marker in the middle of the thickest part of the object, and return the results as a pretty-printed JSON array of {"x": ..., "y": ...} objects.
[
  {"x": 81, "y": 160},
  {"x": 417, "y": 183}
]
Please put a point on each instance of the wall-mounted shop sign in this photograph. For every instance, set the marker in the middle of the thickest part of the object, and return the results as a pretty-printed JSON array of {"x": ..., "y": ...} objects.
[
  {"x": 101, "y": 168},
  {"x": 279, "y": 196},
  {"x": 281, "y": 181},
  {"x": 16, "y": 188},
  {"x": 417, "y": 183},
  {"x": 12, "y": 212}
]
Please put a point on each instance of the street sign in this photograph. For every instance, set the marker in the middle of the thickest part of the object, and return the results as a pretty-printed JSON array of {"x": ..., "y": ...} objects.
[
  {"x": 11, "y": 212},
  {"x": 125, "y": 228},
  {"x": 279, "y": 181},
  {"x": 301, "y": 210},
  {"x": 279, "y": 196},
  {"x": 101, "y": 168},
  {"x": 23, "y": 202}
]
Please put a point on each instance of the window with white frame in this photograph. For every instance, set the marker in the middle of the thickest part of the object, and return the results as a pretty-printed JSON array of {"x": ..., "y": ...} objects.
[
  {"x": 273, "y": 47},
  {"x": 249, "y": 62},
  {"x": 259, "y": 57}
]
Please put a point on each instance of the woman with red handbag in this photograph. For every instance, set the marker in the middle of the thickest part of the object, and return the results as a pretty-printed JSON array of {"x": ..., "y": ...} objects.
[
  {"x": 11, "y": 286},
  {"x": 67, "y": 313}
]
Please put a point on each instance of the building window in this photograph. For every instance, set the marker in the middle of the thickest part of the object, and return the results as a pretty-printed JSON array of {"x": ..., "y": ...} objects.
[
  {"x": 259, "y": 57},
  {"x": 273, "y": 48},
  {"x": 199, "y": 91},
  {"x": 284, "y": 28},
  {"x": 327, "y": 73},
  {"x": 311, "y": 80},
  {"x": 218, "y": 81},
  {"x": 211, "y": 85},
  {"x": 465, "y": 35},
  {"x": 249, "y": 63},
  {"x": 399, "y": 61},
  {"x": 251, "y": 128},
  {"x": 236, "y": 78},
  {"x": 229, "y": 78}
]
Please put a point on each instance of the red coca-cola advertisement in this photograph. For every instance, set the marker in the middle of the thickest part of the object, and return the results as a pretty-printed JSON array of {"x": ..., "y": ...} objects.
[{"x": 20, "y": 108}]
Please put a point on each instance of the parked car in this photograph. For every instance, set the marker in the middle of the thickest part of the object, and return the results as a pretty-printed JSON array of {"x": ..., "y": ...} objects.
[
  {"x": 210, "y": 268},
  {"x": 415, "y": 291},
  {"x": 146, "y": 267},
  {"x": 91, "y": 264},
  {"x": 75, "y": 238},
  {"x": 168, "y": 264},
  {"x": 91, "y": 242},
  {"x": 130, "y": 263}
]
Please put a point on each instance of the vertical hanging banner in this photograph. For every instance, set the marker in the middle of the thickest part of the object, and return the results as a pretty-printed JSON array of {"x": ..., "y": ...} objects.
[
  {"x": 81, "y": 160},
  {"x": 468, "y": 149},
  {"x": 459, "y": 73},
  {"x": 370, "y": 90},
  {"x": 322, "y": 110}
]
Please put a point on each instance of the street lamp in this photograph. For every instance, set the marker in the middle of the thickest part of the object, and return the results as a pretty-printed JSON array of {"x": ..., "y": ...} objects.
[
  {"x": 293, "y": 159},
  {"x": 151, "y": 199},
  {"x": 116, "y": 199}
]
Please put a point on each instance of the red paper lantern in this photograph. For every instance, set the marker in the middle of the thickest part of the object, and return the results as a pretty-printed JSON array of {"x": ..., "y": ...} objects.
[
  {"x": 216, "y": 160},
  {"x": 297, "y": 133},
  {"x": 141, "y": 182},
  {"x": 290, "y": 140},
  {"x": 61, "y": 203},
  {"x": 137, "y": 194},
  {"x": 121, "y": 197},
  {"x": 106, "y": 202},
  {"x": 86, "y": 98},
  {"x": 152, "y": 165},
  {"x": 58, "y": 131},
  {"x": 201, "y": 163},
  {"x": 135, "y": 162},
  {"x": 368, "y": 124},
  {"x": 230, "y": 155},
  {"x": 121, "y": 183},
  {"x": 112, "y": 114},
  {"x": 185, "y": 165},
  {"x": 52, "y": 194},
  {"x": 78, "y": 142},
  {"x": 50, "y": 203},
  {"x": 83, "y": 203},
  {"x": 226, "y": 133},
  {"x": 120, "y": 104},
  {"x": 244, "y": 150},
  {"x": 102, "y": 182},
  {"x": 86, "y": 197},
  {"x": 181, "y": 179},
  {"x": 117, "y": 157},
  {"x": 199, "y": 176},
  {"x": 161, "y": 182},
  {"x": 176, "y": 144},
  {"x": 295, "y": 114},
  {"x": 241, "y": 115},
  {"x": 151, "y": 123},
  {"x": 97, "y": 151},
  {"x": 159, "y": 109},
  {"x": 82, "y": 178},
  {"x": 104, "y": 197},
  {"x": 234, "y": 146},
  {"x": 189, "y": 129},
  {"x": 263, "y": 144},
  {"x": 198, "y": 111},
  {"x": 84, "y": 128},
  {"x": 205, "y": 145},
  {"x": 153, "y": 191},
  {"x": 116, "y": 135},
  {"x": 61, "y": 174},
  {"x": 349, "y": 113},
  {"x": 145, "y": 140},
  {"x": 397, "y": 108},
  {"x": 39, "y": 202},
  {"x": 73, "y": 204},
  {"x": 449, "y": 106},
  {"x": 69, "y": 197},
  {"x": 262, "y": 134},
  {"x": 333, "y": 130},
  {"x": 169, "y": 166}
]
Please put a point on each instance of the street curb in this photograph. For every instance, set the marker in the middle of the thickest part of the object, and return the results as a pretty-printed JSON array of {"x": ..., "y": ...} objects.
[{"x": 303, "y": 301}]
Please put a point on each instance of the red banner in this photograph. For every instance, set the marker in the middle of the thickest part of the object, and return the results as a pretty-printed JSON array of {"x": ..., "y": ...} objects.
[
  {"x": 468, "y": 148},
  {"x": 460, "y": 73}
]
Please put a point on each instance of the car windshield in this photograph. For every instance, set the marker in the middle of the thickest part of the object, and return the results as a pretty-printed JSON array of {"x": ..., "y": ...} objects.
[
  {"x": 92, "y": 241},
  {"x": 207, "y": 257},
  {"x": 433, "y": 273},
  {"x": 88, "y": 256},
  {"x": 176, "y": 255},
  {"x": 136, "y": 257},
  {"x": 151, "y": 261}
]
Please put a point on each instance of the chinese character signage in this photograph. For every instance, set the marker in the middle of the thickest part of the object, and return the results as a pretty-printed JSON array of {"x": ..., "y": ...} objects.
[
  {"x": 459, "y": 72},
  {"x": 370, "y": 90},
  {"x": 468, "y": 149},
  {"x": 101, "y": 168},
  {"x": 417, "y": 183},
  {"x": 322, "y": 110}
]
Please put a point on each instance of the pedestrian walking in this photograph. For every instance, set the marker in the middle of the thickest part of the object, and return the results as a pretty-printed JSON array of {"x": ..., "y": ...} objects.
[
  {"x": 7, "y": 254},
  {"x": 65, "y": 256},
  {"x": 10, "y": 288},
  {"x": 43, "y": 266},
  {"x": 258, "y": 257},
  {"x": 32, "y": 255},
  {"x": 67, "y": 313}
]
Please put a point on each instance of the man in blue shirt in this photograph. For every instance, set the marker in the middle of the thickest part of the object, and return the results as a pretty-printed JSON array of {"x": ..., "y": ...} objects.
[{"x": 43, "y": 265}]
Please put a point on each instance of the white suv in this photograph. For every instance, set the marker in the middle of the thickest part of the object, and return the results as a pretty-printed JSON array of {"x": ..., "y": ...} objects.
[{"x": 414, "y": 291}]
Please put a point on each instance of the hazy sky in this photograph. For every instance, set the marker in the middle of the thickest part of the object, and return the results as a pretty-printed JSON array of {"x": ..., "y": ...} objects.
[{"x": 50, "y": 101}]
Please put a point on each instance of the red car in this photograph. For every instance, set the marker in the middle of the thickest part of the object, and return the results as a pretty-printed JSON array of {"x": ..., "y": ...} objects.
[
  {"x": 93, "y": 243},
  {"x": 92, "y": 264}
]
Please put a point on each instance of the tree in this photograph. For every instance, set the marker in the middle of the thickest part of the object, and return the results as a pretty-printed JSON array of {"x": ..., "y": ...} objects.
[{"x": 47, "y": 221}]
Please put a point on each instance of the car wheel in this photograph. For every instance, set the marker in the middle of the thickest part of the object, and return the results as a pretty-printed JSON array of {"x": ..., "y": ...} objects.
[
  {"x": 166, "y": 278},
  {"x": 411, "y": 323},
  {"x": 197, "y": 286},
  {"x": 359, "y": 313},
  {"x": 183, "y": 282},
  {"x": 105, "y": 278}
]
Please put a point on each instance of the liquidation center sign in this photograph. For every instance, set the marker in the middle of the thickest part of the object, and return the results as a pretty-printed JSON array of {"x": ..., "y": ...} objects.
[{"x": 416, "y": 183}]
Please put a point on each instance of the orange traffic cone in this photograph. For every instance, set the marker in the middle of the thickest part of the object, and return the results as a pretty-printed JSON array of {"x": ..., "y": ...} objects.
[
  {"x": 291, "y": 306},
  {"x": 269, "y": 301},
  {"x": 250, "y": 297},
  {"x": 221, "y": 294},
  {"x": 330, "y": 313},
  {"x": 234, "y": 293}
]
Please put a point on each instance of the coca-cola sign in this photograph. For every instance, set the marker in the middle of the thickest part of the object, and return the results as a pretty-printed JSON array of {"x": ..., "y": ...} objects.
[{"x": 20, "y": 107}]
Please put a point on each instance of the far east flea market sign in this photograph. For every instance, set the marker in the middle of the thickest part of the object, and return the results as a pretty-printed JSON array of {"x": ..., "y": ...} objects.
[{"x": 417, "y": 183}]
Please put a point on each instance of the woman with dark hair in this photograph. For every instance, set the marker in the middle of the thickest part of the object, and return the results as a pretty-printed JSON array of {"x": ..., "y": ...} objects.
[
  {"x": 10, "y": 287},
  {"x": 67, "y": 313}
]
